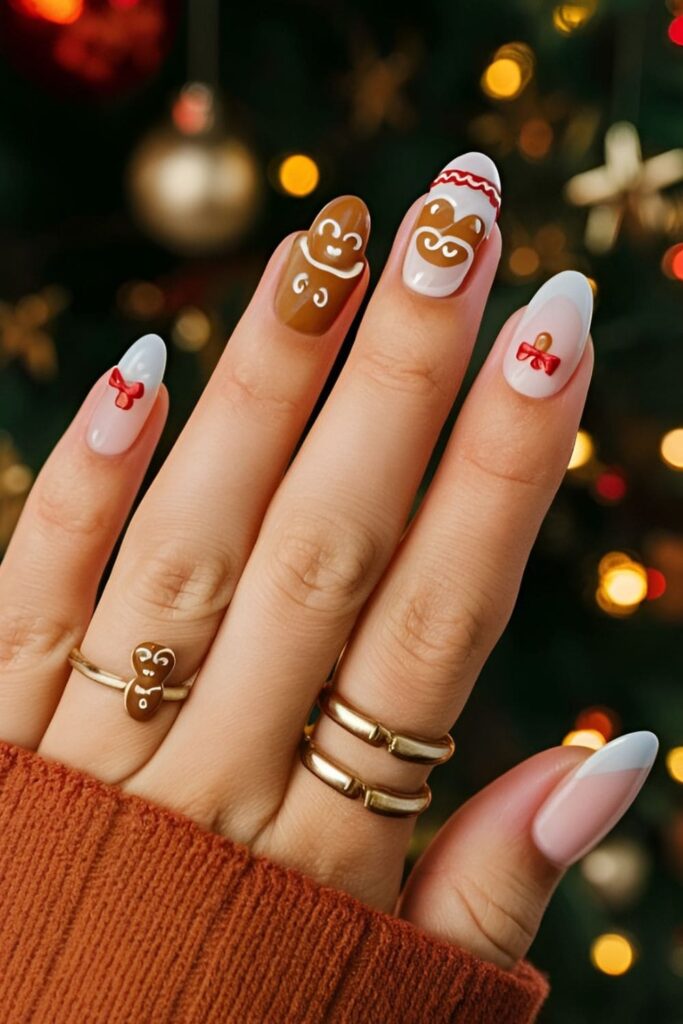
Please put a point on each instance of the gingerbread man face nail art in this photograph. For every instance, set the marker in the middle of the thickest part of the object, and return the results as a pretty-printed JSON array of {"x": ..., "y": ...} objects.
[
  {"x": 457, "y": 215},
  {"x": 324, "y": 266},
  {"x": 152, "y": 665},
  {"x": 549, "y": 340}
]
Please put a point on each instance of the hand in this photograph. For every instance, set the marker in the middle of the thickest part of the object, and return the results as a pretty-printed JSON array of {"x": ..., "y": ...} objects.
[{"x": 258, "y": 575}]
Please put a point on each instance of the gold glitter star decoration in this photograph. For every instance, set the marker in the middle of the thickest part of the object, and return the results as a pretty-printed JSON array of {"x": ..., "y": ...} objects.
[
  {"x": 375, "y": 86},
  {"x": 25, "y": 331},
  {"x": 626, "y": 192}
]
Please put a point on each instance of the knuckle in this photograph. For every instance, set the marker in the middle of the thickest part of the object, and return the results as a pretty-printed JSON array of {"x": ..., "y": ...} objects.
[
  {"x": 323, "y": 564},
  {"x": 173, "y": 581},
  {"x": 506, "y": 922},
  {"x": 247, "y": 383},
  {"x": 65, "y": 502},
  {"x": 412, "y": 374},
  {"x": 26, "y": 637},
  {"x": 433, "y": 631}
]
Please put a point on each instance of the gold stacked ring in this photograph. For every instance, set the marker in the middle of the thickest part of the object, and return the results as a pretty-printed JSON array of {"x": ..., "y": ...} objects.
[
  {"x": 144, "y": 692},
  {"x": 417, "y": 749},
  {"x": 380, "y": 800}
]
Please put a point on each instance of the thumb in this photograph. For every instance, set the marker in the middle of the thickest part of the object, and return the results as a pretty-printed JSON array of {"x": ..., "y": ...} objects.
[{"x": 486, "y": 879}]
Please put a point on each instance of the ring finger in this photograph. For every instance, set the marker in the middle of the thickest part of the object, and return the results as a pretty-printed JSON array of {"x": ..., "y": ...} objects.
[{"x": 446, "y": 598}]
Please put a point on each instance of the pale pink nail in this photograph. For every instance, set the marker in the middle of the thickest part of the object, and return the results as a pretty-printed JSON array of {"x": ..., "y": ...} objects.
[
  {"x": 586, "y": 805},
  {"x": 549, "y": 340},
  {"x": 131, "y": 389}
]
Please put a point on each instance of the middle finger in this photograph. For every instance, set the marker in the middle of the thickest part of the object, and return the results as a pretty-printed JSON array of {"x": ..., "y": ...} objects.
[{"x": 339, "y": 513}]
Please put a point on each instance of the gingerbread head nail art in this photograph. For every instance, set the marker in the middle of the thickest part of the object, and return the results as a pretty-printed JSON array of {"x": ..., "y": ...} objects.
[
  {"x": 324, "y": 266},
  {"x": 152, "y": 664},
  {"x": 457, "y": 215}
]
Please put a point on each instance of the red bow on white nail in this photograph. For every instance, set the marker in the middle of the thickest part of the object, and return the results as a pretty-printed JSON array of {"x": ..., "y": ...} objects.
[
  {"x": 539, "y": 360},
  {"x": 128, "y": 391}
]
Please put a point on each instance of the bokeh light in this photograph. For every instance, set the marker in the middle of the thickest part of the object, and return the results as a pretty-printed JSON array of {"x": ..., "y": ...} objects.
[
  {"x": 509, "y": 72},
  {"x": 612, "y": 954},
  {"x": 672, "y": 262},
  {"x": 524, "y": 261},
  {"x": 590, "y": 738},
  {"x": 298, "y": 174},
  {"x": 676, "y": 30},
  {"x": 568, "y": 17},
  {"x": 610, "y": 486},
  {"x": 194, "y": 109},
  {"x": 60, "y": 12},
  {"x": 623, "y": 584},
  {"x": 583, "y": 450},
  {"x": 656, "y": 584},
  {"x": 602, "y": 720},
  {"x": 674, "y": 764},
  {"x": 671, "y": 448},
  {"x": 535, "y": 138},
  {"x": 192, "y": 329}
]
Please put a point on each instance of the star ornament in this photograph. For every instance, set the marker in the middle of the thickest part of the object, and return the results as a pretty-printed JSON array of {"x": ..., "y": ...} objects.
[{"x": 626, "y": 190}]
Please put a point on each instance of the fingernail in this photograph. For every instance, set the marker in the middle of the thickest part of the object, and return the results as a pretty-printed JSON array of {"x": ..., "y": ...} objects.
[
  {"x": 550, "y": 338},
  {"x": 585, "y": 806},
  {"x": 132, "y": 387},
  {"x": 457, "y": 215},
  {"x": 324, "y": 266}
]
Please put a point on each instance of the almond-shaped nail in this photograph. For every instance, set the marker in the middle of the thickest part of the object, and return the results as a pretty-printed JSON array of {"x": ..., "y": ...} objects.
[
  {"x": 587, "y": 804},
  {"x": 131, "y": 388},
  {"x": 324, "y": 266},
  {"x": 549, "y": 340},
  {"x": 457, "y": 215}
]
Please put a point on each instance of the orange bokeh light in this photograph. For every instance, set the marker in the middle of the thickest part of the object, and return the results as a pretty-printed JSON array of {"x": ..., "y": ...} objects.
[
  {"x": 60, "y": 12},
  {"x": 601, "y": 720}
]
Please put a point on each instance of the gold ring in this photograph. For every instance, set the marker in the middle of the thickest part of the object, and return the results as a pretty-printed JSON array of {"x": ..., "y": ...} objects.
[
  {"x": 407, "y": 748},
  {"x": 143, "y": 693},
  {"x": 379, "y": 800}
]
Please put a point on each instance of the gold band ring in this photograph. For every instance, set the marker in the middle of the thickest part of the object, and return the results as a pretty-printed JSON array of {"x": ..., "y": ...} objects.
[
  {"x": 379, "y": 800},
  {"x": 143, "y": 693},
  {"x": 405, "y": 747}
]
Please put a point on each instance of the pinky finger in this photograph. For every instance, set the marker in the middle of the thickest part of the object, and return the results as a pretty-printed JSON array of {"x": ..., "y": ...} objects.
[
  {"x": 74, "y": 514},
  {"x": 485, "y": 881}
]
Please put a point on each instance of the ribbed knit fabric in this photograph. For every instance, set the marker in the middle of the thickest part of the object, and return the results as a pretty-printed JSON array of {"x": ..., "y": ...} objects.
[{"x": 115, "y": 910}]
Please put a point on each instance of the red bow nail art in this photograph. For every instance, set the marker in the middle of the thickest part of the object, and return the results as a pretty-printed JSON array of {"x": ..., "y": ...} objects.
[
  {"x": 539, "y": 360},
  {"x": 128, "y": 391}
]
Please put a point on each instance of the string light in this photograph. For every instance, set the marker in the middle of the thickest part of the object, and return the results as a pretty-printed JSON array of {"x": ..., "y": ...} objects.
[
  {"x": 623, "y": 584},
  {"x": 568, "y": 17},
  {"x": 610, "y": 486},
  {"x": 671, "y": 448},
  {"x": 583, "y": 450},
  {"x": 192, "y": 329},
  {"x": 672, "y": 262},
  {"x": 613, "y": 954},
  {"x": 60, "y": 12},
  {"x": 676, "y": 31},
  {"x": 298, "y": 174},
  {"x": 674, "y": 764},
  {"x": 590, "y": 738},
  {"x": 524, "y": 261},
  {"x": 602, "y": 720},
  {"x": 509, "y": 72}
]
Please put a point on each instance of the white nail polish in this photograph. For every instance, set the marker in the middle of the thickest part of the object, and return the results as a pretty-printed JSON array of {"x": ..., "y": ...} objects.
[
  {"x": 587, "y": 804},
  {"x": 550, "y": 339},
  {"x": 131, "y": 390},
  {"x": 457, "y": 215}
]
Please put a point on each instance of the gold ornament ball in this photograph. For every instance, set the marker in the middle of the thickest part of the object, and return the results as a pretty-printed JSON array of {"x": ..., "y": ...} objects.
[{"x": 195, "y": 194}]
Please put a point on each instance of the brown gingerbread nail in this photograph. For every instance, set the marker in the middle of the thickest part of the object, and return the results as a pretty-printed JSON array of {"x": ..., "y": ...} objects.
[{"x": 324, "y": 266}]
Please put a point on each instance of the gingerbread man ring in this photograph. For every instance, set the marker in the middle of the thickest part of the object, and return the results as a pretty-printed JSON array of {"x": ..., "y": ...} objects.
[{"x": 143, "y": 694}]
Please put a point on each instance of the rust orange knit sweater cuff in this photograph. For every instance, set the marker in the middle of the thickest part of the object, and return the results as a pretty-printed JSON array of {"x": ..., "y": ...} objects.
[{"x": 115, "y": 910}]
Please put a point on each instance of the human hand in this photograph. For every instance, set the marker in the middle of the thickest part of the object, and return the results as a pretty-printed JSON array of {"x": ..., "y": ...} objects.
[{"x": 257, "y": 576}]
